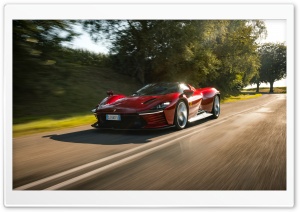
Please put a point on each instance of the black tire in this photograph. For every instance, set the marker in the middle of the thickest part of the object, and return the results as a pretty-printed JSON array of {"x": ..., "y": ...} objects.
[
  {"x": 216, "y": 107},
  {"x": 181, "y": 115}
]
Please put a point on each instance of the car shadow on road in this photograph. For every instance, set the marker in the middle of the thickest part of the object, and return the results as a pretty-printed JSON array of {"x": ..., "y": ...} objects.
[
  {"x": 109, "y": 137},
  {"x": 115, "y": 137}
]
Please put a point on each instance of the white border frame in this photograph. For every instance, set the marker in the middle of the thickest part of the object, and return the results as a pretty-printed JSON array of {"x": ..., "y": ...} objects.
[{"x": 14, "y": 198}]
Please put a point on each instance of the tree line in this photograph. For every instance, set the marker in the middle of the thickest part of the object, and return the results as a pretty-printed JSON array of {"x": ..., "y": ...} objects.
[
  {"x": 272, "y": 64},
  {"x": 220, "y": 53}
]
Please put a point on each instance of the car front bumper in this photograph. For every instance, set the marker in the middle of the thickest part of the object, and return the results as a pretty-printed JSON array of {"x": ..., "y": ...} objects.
[{"x": 145, "y": 120}]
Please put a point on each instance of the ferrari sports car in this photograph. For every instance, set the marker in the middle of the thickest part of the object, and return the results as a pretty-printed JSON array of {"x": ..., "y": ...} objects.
[{"x": 157, "y": 105}]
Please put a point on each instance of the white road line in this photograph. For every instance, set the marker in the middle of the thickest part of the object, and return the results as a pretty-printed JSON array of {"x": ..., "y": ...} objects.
[
  {"x": 114, "y": 164},
  {"x": 38, "y": 182}
]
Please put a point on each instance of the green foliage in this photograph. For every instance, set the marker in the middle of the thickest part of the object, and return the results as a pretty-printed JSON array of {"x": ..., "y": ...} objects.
[
  {"x": 236, "y": 49},
  {"x": 81, "y": 57},
  {"x": 34, "y": 42},
  {"x": 273, "y": 63},
  {"x": 212, "y": 53}
]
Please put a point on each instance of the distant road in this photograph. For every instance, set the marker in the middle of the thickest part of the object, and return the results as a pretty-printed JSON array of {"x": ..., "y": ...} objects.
[{"x": 245, "y": 149}]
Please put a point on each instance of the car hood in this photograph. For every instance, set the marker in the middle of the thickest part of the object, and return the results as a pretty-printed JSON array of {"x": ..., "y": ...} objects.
[{"x": 133, "y": 104}]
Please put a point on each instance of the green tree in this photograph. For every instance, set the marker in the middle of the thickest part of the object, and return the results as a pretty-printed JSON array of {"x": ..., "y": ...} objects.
[
  {"x": 236, "y": 48},
  {"x": 273, "y": 63},
  {"x": 256, "y": 80},
  {"x": 216, "y": 53},
  {"x": 35, "y": 57},
  {"x": 35, "y": 44}
]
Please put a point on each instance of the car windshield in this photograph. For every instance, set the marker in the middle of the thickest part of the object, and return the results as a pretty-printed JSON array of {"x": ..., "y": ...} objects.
[{"x": 158, "y": 89}]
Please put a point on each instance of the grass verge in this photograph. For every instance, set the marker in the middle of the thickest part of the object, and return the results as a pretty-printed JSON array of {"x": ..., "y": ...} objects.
[
  {"x": 57, "y": 123},
  {"x": 45, "y": 125},
  {"x": 240, "y": 97},
  {"x": 266, "y": 90}
]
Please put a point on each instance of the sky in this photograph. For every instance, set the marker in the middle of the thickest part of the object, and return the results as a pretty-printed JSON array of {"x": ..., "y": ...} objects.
[
  {"x": 276, "y": 33},
  {"x": 84, "y": 42}
]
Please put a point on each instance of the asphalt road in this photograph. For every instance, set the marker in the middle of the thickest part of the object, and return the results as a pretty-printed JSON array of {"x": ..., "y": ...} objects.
[{"x": 244, "y": 149}]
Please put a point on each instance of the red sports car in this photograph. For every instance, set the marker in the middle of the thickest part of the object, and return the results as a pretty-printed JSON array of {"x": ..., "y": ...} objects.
[{"x": 157, "y": 105}]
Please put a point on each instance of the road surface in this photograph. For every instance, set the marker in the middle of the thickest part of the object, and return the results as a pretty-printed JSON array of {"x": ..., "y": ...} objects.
[{"x": 244, "y": 149}]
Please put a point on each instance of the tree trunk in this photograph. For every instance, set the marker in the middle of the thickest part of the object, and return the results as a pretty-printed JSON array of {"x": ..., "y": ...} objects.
[
  {"x": 271, "y": 87},
  {"x": 257, "y": 87}
]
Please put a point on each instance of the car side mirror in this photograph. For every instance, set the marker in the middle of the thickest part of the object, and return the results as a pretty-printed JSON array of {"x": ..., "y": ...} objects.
[
  {"x": 109, "y": 93},
  {"x": 188, "y": 93}
]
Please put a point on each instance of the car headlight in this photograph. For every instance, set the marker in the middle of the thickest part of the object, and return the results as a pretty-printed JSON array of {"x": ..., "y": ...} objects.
[{"x": 161, "y": 106}]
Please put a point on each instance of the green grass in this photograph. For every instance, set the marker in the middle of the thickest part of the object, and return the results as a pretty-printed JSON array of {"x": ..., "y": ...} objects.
[
  {"x": 266, "y": 90},
  {"x": 240, "y": 97},
  {"x": 50, "y": 124},
  {"x": 78, "y": 92}
]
